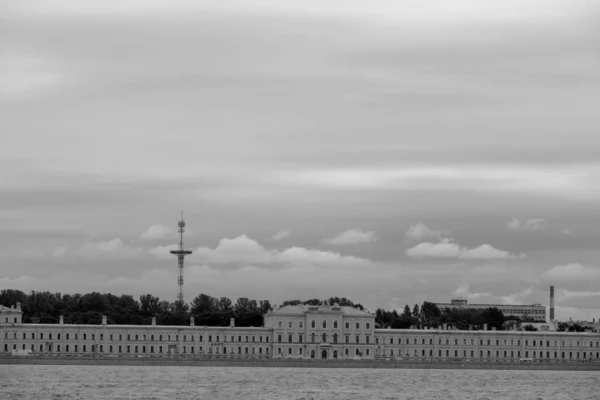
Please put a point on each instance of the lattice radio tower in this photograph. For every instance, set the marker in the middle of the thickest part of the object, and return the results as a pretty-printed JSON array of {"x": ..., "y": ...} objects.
[{"x": 181, "y": 253}]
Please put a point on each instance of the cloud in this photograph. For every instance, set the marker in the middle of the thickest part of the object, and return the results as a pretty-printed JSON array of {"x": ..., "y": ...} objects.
[
  {"x": 421, "y": 231},
  {"x": 448, "y": 249},
  {"x": 463, "y": 290},
  {"x": 113, "y": 249},
  {"x": 351, "y": 236},
  {"x": 517, "y": 298},
  {"x": 155, "y": 232},
  {"x": 576, "y": 181},
  {"x": 572, "y": 272},
  {"x": 567, "y": 231},
  {"x": 163, "y": 252},
  {"x": 244, "y": 251},
  {"x": 238, "y": 250},
  {"x": 281, "y": 235},
  {"x": 531, "y": 224}
]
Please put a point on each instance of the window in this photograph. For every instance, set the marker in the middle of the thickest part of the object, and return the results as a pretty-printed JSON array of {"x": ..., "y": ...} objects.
[
  {"x": 324, "y": 324},
  {"x": 299, "y": 339},
  {"x": 358, "y": 325},
  {"x": 300, "y": 324},
  {"x": 290, "y": 324},
  {"x": 347, "y": 325},
  {"x": 278, "y": 338},
  {"x": 357, "y": 338},
  {"x": 290, "y": 338},
  {"x": 347, "y": 338},
  {"x": 280, "y": 324},
  {"x": 335, "y": 338},
  {"x": 312, "y": 323},
  {"x": 368, "y": 327},
  {"x": 324, "y": 338},
  {"x": 335, "y": 324}
]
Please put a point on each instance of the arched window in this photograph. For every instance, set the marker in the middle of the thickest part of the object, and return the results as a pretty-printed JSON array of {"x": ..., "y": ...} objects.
[
  {"x": 312, "y": 323},
  {"x": 335, "y": 338},
  {"x": 324, "y": 337},
  {"x": 324, "y": 324},
  {"x": 312, "y": 335}
]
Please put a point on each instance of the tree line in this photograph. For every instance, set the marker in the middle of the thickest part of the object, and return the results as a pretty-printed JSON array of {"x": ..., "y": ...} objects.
[
  {"x": 429, "y": 315},
  {"x": 47, "y": 307}
]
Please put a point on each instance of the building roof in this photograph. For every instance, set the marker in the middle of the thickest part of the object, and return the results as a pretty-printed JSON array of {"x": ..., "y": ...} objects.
[
  {"x": 5, "y": 309},
  {"x": 302, "y": 309},
  {"x": 489, "y": 305}
]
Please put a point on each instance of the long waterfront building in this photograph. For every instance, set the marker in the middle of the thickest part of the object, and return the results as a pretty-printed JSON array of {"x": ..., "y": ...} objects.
[{"x": 297, "y": 332}]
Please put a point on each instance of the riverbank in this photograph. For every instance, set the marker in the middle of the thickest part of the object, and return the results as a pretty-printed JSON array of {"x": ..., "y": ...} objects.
[{"x": 267, "y": 363}]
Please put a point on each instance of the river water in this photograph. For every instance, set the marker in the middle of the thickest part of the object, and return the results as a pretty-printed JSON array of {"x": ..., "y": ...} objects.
[{"x": 183, "y": 383}]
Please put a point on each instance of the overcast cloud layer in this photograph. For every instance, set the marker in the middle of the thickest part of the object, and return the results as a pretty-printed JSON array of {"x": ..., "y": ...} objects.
[{"x": 387, "y": 151}]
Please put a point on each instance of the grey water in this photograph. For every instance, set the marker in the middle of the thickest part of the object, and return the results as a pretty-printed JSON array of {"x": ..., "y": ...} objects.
[{"x": 184, "y": 383}]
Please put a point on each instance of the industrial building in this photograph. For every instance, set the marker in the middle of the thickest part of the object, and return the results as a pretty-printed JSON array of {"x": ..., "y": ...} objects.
[{"x": 536, "y": 312}]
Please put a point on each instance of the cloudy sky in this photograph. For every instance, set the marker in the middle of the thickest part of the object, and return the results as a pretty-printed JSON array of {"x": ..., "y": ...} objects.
[{"x": 387, "y": 151}]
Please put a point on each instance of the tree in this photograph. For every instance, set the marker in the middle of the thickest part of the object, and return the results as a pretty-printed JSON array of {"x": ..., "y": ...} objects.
[
  {"x": 493, "y": 317},
  {"x": 416, "y": 313},
  {"x": 149, "y": 305},
  {"x": 430, "y": 314},
  {"x": 530, "y": 328},
  {"x": 203, "y": 303}
]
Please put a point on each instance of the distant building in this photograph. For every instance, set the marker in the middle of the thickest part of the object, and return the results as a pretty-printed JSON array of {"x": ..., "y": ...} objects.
[
  {"x": 534, "y": 311},
  {"x": 10, "y": 315}
]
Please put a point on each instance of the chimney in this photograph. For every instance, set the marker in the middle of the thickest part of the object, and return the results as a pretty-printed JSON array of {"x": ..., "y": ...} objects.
[
  {"x": 153, "y": 320},
  {"x": 493, "y": 328},
  {"x": 18, "y": 305},
  {"x": 551, "y": 303},
  {"x": 232, "y": 322},
  {"x": 485, "y": 327},
  {"x": 445, "y": 326},
  {"x": 191, "y": 321},
  {"x": 61, "y": 320},
  {"x": 104, "y": 320}
]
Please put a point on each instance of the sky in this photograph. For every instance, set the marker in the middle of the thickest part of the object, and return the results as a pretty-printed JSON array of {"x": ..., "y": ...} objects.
[{"x": 391, "y": 152}]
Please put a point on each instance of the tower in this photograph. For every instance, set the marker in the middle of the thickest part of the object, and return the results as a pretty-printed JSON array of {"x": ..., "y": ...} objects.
[
  {"x": 551, "y": 303},
  {"x": 180, "y": 253}
]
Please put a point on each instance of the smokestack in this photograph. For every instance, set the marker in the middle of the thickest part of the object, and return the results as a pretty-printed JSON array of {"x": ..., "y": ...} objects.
[{"x": 551, "y": 303}]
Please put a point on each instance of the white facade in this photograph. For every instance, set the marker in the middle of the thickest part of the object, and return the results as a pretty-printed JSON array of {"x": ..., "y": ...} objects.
[{"x": 296, "y": 332}]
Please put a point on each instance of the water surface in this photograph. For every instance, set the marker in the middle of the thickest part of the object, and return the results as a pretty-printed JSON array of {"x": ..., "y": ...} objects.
[{"x": 23, "y": 382}]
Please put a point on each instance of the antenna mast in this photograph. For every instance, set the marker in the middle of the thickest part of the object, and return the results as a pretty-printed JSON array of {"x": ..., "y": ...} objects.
[{"x": 181, "y": 253}]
